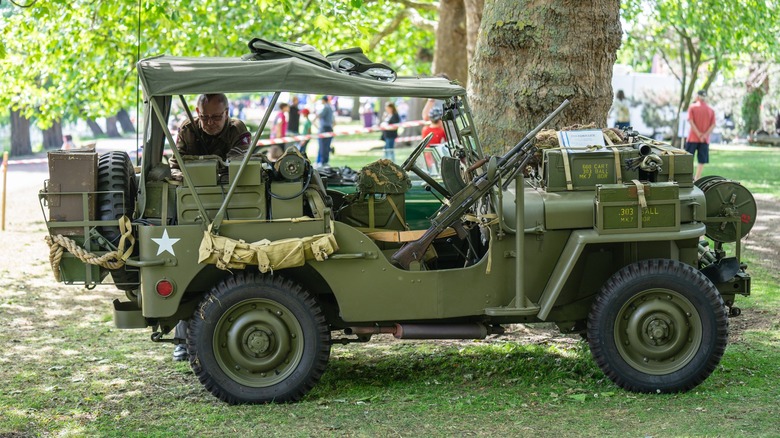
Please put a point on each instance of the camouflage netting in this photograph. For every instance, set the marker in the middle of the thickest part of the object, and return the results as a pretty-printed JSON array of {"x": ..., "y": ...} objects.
[
  {"x": 548, "y": 139},
  {"x": 383, "y": 176}
]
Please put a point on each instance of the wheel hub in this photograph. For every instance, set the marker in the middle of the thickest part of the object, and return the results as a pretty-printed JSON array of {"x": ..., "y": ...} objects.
[
  {"x": 658, "y": 333},
  {"x": 658, "y": 330},
  {"x": 258, "y": 341}
]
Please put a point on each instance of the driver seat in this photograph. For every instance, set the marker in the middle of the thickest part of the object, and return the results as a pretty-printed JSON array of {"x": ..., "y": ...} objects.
[{"x": 379, "y": 202}]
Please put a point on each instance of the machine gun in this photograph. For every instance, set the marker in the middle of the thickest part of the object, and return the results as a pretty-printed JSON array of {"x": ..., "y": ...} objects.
[{"x": 449, "y": 215}]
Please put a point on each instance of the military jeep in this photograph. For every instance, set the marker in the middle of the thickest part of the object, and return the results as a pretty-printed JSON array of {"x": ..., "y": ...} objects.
[{"x": 271, "y": 267}]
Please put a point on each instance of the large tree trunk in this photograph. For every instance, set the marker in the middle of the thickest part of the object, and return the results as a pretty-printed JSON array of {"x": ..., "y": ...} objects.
[
  {"x": 531, "y": 55},
  {"x": 124, "y": 121},
  {"x": 473, "y": 20},
  {"x": 451, "y": 42},
  {"x": 20, "y": 135},
  {"x": 52, "y": 137},
  {"x": 97, "y": 131},
  {"x": 111, "y": 129}
]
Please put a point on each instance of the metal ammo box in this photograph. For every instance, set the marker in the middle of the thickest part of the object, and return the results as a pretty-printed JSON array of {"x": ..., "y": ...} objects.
[
  {"x": 619, "y": 207},
  {"x": 677, "y": 165},
  {"x": 582, "y": 169},
  {"x": 72, "y": 186},
  {"x": 248, "y": 199}
]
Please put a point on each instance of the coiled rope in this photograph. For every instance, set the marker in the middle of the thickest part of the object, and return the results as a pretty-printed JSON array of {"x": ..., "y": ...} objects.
[{"x": 112, "y": 260}]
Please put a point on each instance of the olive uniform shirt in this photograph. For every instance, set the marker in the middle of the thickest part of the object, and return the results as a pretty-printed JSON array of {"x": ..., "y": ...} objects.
[{"x": 233, "y": 141}]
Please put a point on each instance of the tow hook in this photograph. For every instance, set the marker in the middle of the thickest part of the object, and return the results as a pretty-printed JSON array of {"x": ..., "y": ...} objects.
[{"x": 158, "y": 337}]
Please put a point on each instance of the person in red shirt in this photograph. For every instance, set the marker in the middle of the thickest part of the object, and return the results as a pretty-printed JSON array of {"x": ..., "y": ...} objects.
[
  {"x": 436, "y": 127},
  {"x": 702, "y": 120},
  {"x": 432, "y": 113}
]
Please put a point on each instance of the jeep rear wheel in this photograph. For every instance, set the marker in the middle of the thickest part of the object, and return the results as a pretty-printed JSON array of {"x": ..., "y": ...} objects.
[
  {"x": 116, "y": 198},
  {"x": 258, "y": 339},
  {"x": 658, "y": 326}
]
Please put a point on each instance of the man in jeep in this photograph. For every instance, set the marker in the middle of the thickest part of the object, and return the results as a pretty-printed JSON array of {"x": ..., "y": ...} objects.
[{"x": 213, "y": 132}]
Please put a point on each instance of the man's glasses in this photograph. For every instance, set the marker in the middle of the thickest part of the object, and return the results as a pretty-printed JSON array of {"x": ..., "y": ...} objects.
[{"x": 212, "y": 118}]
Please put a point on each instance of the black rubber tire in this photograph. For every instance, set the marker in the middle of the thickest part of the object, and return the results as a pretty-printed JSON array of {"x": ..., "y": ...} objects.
[
  {"x": 116, "y": 175},
  {"x": 257, "y": 339},
  {"x": 658, "y": 326}
]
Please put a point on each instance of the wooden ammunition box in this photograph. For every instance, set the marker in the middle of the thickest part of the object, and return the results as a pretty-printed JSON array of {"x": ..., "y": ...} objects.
[
  {"x": 586, "y": 168},
  {"x": 618, "y": 208},
  {"x": 71, "y": 188}
]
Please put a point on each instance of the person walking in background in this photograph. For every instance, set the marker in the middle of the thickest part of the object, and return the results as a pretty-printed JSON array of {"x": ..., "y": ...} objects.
[
  {"x": 279, "y": 130},
  {"x": 326, "y": 120},
  {"x": 432, "y": 113},
  {"x": 67, "y": 142},
  {"x": 293, "y": 118},
  {"x": 622, "y": 111},
  {"x": 305, "y": 130},
  {"x": 389, "y": 136},
  {"x": 702, "y": 120}
]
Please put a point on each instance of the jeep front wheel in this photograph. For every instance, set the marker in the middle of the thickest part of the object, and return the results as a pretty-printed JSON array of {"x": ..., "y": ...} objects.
[
  {"x": 258, "y": 339},
  {"x": 658, "y": 326}
]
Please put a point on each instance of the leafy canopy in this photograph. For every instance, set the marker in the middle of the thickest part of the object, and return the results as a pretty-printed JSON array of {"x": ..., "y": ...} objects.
[
  {"x": 700, "y": 38},
  {"x": 73, "y": 59}
]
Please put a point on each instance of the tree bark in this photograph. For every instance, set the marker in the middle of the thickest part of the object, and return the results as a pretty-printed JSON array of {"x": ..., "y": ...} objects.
[
  {"x": 20, "y": 135},
  {"x": 473, "y": 19},
  {"x": 124, "y": 121},
  {"x": 531, "y": 55},
  {"x": 52, "y": 137},
  {"x": 111, "y": 128},
  {"x": 355, "y": 109},
  {"x": 97, "y": 131},
  {"x": 451, "y": 42}
]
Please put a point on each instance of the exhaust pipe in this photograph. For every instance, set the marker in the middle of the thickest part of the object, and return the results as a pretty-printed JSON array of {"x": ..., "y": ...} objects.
[{"x": 430, "y": 331}]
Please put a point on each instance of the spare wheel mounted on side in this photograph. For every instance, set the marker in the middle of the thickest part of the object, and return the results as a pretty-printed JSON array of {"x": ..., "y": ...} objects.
[{"x": 117, "y": 189}]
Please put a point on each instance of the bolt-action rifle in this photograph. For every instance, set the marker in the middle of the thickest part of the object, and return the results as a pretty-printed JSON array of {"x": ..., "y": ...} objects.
[{"x": 450, "y": 214}]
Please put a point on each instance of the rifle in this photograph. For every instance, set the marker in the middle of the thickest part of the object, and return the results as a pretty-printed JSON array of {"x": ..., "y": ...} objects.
[{"x": 449, "y": 215}]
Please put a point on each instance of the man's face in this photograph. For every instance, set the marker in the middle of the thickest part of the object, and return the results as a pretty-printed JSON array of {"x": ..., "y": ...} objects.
[{"x": 213, "y": 116}]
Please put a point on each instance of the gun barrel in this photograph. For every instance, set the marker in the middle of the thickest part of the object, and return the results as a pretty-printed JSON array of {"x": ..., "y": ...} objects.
[
  {"x": 461, "y": 201},
  {"x": 530, "y": 136},
  {"x": 644, "y": 149}
]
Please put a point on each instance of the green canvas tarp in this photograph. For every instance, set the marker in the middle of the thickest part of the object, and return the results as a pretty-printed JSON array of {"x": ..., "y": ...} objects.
[{"x": 171, "y": 75}]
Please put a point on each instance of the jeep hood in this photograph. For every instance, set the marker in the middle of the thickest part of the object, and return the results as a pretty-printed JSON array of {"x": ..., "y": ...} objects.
[{"x": 171, "y": 75}]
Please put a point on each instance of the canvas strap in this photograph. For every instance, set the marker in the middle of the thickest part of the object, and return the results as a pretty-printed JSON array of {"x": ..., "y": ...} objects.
[
  {"x": 397, "y": 212},
  {"x": 567, "y": 169},
  {"x": 618, "y": 170}
]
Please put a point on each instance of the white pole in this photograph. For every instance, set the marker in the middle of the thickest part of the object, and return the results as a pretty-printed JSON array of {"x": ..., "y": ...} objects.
[{"x": 5, "y": 185}]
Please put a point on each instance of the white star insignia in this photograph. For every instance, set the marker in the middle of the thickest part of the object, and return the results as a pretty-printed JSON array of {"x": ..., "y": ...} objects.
[{"x": 165, "y": 243}]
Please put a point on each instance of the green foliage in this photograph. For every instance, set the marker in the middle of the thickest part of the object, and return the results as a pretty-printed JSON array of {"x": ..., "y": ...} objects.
[
  {"x": 698, "y": 39},
  {"x": 76, "y": 58}
]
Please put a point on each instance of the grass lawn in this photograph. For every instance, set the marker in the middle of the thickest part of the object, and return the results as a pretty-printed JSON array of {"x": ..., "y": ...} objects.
[{"x": 66, "y": 371}]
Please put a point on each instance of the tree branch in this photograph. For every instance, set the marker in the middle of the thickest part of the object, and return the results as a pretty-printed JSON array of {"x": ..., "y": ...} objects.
[
  {"x": 418, "y": 20},
  {"x": 420, "y": 6},
  {"x": 390, "y": 28}
]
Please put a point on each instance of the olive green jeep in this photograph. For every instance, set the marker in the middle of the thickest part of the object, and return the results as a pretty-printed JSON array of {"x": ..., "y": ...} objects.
[{"x": 271, "y": 267}]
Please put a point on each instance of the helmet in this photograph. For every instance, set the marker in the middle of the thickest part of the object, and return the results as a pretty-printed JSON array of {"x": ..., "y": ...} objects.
[{"x": 435, "y": 114}]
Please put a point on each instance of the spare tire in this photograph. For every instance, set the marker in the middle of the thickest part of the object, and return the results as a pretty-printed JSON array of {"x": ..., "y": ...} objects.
[{"x": 117, "y": 189}]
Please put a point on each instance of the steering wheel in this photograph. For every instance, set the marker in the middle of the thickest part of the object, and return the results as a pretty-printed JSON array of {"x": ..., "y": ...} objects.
[{"x": 409, "y": 163}]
